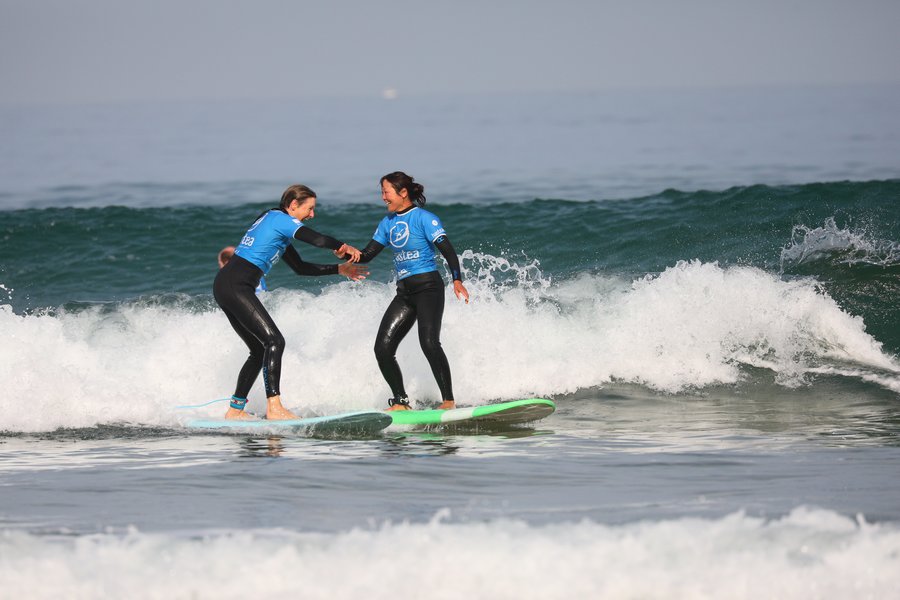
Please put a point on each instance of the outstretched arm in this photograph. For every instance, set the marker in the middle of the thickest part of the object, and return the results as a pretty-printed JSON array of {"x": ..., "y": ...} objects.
[
  {"x": 371, "y": 250},
  {"x": 319, "y": 240},
  {"x": 449, "y": 253},
  {"x": 301, "y": 267}
]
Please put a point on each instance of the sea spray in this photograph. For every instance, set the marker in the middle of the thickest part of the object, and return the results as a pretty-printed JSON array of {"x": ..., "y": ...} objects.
[{"x": 829, "y": 242}]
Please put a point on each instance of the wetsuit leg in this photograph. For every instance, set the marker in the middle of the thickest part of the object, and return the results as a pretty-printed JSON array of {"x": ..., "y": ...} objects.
[
  {"x": 398, "y": 319},
  {"x": 419, "y": 297},
  {"x": 429, "y": 304},
  {"x": 234, "y": 291},
  {"x": 253, "y": 365}
]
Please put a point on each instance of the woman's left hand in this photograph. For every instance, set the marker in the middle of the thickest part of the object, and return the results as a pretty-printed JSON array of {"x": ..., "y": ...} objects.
[{"x": 460, "y": 290}]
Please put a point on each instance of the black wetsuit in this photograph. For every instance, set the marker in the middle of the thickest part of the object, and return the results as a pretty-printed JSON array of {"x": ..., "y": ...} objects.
[
  {"x": 235, "y": 292},
  {"x": 420, "y": 297}
]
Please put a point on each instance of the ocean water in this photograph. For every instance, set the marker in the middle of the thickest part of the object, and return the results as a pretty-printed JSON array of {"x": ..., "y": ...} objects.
[{"x": 705, "y": 282}]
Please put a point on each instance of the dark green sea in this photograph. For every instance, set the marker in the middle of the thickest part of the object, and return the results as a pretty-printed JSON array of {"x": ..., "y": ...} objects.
[{"x": 842, "y": 235}]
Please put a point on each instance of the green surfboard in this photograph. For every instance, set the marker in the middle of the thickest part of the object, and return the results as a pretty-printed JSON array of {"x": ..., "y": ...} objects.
[{"x": 504, "y": 413}]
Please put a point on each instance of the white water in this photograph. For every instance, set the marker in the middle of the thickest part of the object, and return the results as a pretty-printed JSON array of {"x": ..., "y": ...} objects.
[
  {"x": 809, "y": 553},
  {"x": 846, "y": 245},
  {"x": 693, "y": 325}
]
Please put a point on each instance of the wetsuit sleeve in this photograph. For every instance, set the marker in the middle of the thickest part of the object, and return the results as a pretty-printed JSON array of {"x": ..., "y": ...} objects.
[
  {"x": 319, "y": 240},
  {"x": 301, "y": 267},
  {"x": 371, "y": 250},
  {"x": 449, "y": 253}
]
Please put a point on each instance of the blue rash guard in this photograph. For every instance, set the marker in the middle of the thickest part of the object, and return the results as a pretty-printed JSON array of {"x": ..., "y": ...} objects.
[
  {"x": 412, "y": 236},
  {"x": 267, "y": 238}
]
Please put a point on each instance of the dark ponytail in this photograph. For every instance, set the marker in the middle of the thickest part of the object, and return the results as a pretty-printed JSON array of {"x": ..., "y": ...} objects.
[{"x": 401, "y": 181}]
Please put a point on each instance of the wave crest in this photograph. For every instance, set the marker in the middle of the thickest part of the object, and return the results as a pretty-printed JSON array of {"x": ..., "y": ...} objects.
[
  {"x": 835, "y": 245},
  {"x": 694, "y": 325}
]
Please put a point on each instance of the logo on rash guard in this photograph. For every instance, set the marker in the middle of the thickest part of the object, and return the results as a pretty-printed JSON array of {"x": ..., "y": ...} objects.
[
  {"x": 405, "y": 255},
  {"x": 399, "y": 234},
  {"x": 257, "y": 222}
]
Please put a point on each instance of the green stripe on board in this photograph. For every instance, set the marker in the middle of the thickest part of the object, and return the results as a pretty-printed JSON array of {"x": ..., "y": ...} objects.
[{"x": 516, "y": 411}]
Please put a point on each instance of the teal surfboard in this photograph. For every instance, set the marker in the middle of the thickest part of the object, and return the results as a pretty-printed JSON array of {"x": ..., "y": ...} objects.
[
  {"x": 352, "y": 423},
  {"x": 504, "y": 413}
]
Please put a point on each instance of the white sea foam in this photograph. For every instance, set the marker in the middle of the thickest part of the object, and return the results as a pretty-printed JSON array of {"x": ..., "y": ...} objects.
[
  {"x": 693, "y": 325},
  {"x": 846, "y": 245},
  {"x": 810, "y": 553}
]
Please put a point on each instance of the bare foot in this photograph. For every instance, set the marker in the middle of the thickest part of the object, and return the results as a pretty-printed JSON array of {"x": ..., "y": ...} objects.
[
  {"x": 447, "y": 405},
  {"x": 399, "y": 407},
  {"x": 238, "y": 415},
  {"x": 275, "y": 411}
]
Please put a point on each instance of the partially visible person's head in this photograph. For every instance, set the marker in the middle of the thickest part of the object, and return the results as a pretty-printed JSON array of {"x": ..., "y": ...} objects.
[
  {"x": 299, "y": 201},
  {"x": 400, "y": 181},
  {"x": 225, "y": 255}
]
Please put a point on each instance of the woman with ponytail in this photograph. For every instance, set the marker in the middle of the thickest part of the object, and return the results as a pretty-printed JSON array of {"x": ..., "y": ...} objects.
[
  {"x": 413, "y": 234},
  {"x": 269, "y": 239}
]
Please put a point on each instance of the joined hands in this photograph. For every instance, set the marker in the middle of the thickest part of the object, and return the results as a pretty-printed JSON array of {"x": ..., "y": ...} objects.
[{"x": 348, "y": 252}]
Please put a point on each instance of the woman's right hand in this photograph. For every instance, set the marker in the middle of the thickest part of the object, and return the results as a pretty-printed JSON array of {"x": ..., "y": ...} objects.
[
  {"x": 349, "y": 252},
  {"x": 353, "y": 271}
]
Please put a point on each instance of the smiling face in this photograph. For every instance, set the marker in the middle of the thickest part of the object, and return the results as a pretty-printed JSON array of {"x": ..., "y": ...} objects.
[
  {"x": 394, "y": 200},
  {"x": 302, "y": 209}
]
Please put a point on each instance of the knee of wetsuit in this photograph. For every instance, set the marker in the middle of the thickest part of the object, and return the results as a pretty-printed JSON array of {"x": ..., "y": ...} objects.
[
  {"x": 275, "y": 343},
  {"x": 430, "y": 345},
  {"x": 382, "y": 350}
]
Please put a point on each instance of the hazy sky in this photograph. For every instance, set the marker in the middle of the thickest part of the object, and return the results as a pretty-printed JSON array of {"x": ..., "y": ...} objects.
[{"x": 99, "y": 50}]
